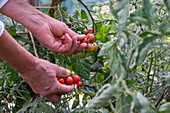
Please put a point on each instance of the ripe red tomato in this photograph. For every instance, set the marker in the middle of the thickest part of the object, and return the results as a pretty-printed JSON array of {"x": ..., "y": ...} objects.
[
  {"x": 90, "y": 30},
  {"x": 95, "y": 47},
  {"x": 61, "y": 80},
  {"x": 79, "y": 84},
  {"x": 68, "y": 80},
  {"x": 85, "y": 40},
  {"x": 91, "y": 37},
  {"x": 76, "y": 79},
  {"x": 63, "y": 41}
]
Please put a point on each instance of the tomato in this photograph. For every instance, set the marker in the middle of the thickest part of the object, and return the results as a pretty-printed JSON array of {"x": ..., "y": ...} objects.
[
  {"x": 79, "y": 84},
  {"x": 68, "y": 80},
  {"x": 85, "y": 40},
  {"x": 90, "y": 30},
  {"x": 91, "y": 38},
  {"x": 63, "y": 41},
  {"x": 91, "y": 49},
  {"x": 95, "y": 47},
  {"x": 76, "y": 79},
  {"x": 61, "y": 80},
  {"x": 82, "y": 54}
]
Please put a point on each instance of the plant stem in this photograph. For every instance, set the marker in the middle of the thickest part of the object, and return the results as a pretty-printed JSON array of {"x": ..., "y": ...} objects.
[{"x": 94, "y": 25}]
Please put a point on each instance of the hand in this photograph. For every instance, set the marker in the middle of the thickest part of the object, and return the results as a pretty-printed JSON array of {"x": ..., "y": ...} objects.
[
  {"x": 43, "y": 80},
  {"x": 53, "y": 32}
]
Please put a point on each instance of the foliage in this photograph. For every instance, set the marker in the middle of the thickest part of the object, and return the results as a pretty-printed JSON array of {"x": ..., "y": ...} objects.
[{"x": 129, "y": 73}]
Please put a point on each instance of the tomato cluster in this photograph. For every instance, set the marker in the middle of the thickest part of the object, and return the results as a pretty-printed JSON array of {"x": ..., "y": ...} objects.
[
  {"x": 90, "y": 38},
  {"x": 70, "y": 80}
]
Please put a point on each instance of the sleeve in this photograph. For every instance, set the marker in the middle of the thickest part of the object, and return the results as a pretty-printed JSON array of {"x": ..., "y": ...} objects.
[
  {"x": 1, "y": 28},
  {"x": 2, "y": 3}
]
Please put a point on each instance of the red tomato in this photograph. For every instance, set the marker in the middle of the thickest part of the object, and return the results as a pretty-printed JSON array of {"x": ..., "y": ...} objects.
[
  {"x": 90, "y": 30},
  {"x": 91, "y": 37},
  {"x": 76, "y": 79},
  {"x": 63, "y": 41},
  {"x": 68, "y": 80},
  {"x": 84, "y": 41},
  {"x": 61, "y": 80},
  {"x": 79, "y": 84}
]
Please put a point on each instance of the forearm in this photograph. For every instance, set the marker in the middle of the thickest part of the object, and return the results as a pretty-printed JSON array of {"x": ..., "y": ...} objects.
[
  {"x": 25, "y": 14},
  {"x": 15, "y": 55}
]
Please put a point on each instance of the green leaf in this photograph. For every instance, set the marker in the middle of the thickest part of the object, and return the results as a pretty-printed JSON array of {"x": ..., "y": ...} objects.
[
  {"x": 118, "y": 62},
  {"x": 12, "y": 31},
  {"x": 142, "y": 105},
  {"x": 164, "y": 27},
  {"x": 148, "y": 11},
  {"x": 140, "y": 51},
  {"x": 82, "y": 67},
  {"x": 103, "y": 96},
  {"x": 107, "y": 46},
  {"x": 76, "y": 102},
  {"x": 120, "y": 11},
  {"x": 167, "y": 3},
  {"x": 101, "y": 34},
  {"x": 165, "y": 108},
  {"x": 83, "y": 14}
]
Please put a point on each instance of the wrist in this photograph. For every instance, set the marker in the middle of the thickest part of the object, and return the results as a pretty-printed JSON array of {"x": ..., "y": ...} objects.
[{"x": 25, "y": 14}]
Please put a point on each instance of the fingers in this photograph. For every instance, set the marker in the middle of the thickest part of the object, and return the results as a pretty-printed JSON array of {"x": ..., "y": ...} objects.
[
  {"x": 53, "y": 98},
  {"x": 80, "y": 37},
  {"x": 67, "y": 46},
  {"x": 58, "y": 91},
  {"x": 61, "y": 72}
]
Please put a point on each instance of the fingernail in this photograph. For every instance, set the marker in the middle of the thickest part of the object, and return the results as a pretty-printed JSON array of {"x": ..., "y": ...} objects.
[
  {"x": 68, "y": 72},
  {"x": 82, "y": 35}
]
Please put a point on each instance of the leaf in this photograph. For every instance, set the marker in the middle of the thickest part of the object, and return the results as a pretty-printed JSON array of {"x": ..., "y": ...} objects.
[
  {"x": 118, "y": 62},
  {"x": 107, "y": 46},
  {"x": 139, "y": 52},
  {"x": 148, "y": 11},
  {"x": 165, "y": 108},
  {"x": 82, "y": 67},
  {"x": 89, "y": 89},
  {"x": 120, "y": 11},
  {"x": 103, "y": 96},
  {"x": 101, "y": 34},
  {"x": 167, "y": 3},
  {"x": 76, "y": 102},
  {"x": 142, "y": 104},
  {"x": 83, "y": 14}
]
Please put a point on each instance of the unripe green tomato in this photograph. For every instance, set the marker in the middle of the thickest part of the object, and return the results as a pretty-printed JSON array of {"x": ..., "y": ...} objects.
[
  {"x": 82, "y": 54},
  {"x": 91, "y": 49}
]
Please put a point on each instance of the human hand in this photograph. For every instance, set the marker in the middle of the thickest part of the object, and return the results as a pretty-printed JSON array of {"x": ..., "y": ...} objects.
[
  {"x": 43, "y": 80},
  {"x": 53, "y": 32}
]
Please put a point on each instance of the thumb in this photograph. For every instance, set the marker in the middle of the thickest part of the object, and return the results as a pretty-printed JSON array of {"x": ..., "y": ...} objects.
[{"x": 61, "y": 71}]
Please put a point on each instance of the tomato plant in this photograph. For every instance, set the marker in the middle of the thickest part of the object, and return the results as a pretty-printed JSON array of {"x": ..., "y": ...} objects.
[{"x": 129, "y": 72}]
